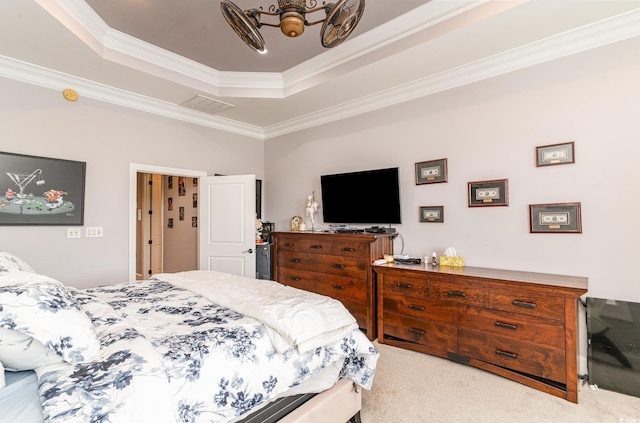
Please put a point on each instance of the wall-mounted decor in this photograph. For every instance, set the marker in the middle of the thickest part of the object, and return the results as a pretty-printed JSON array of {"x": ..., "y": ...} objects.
[
  {"x": 170, "y": 182},
  {"x": 432, "y": 214},
  {"x": 431, "y": 172},
  {"x": 41, "y": 191},
  {"x": 555, "y": 154},
  {"x": 170, "y": 223},
  {"x": 170, "y": 203},
  {"x": 489, "y": 193},
  {"x": 555, "y": 218},
  {"x": 194, "y": 221},
  {"x": 182, "y": 189},
  {"x": 195, "y": 200},
  {"x": 195, "y": 182},
  {"x": 181, "y": 213}
]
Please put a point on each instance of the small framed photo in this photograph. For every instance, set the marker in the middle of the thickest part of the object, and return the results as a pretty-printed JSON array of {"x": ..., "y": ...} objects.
[
  {"x": 431, "y": 172},
  {"x": 489, "y": 193},
  {"x": 555, "y": 154},
  {"x": 432, "y": 214},
  {"x": 555, "y": 218}
]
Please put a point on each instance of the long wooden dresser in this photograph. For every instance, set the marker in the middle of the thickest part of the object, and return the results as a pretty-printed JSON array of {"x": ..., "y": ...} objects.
[
  {"x": 334, "y": 264},
  {"x": 520, "y": 325}
]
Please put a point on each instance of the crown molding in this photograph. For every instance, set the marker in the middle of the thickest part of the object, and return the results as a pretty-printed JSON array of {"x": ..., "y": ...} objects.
[
  {"x": 47, "y": 78},
  {"x": 617, "y": 28},
  {"x": 608, "y": 31}
]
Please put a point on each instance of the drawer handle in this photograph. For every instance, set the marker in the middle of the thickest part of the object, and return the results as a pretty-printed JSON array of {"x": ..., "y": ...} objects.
[
  {"x": 416, "y": 307},
  {"x": 456, "y": 294},
  {"x": 288, "y": 244},
  {"x": 316, "y": 247},
  {"x": 338, "y": 287},
  {"x": 523, "y": 304},
  {"x": 295, "y": 278},
  {"x": 404, "y": 285},
  {"x": 417, "y": 331},
  {"x": 506, "y": 325},
  {"x": 348, "y": 249},
  {"x": 294, "y": 260},
  {"x": 507, "y": 354},
  {"x": 338, "y": 266}
]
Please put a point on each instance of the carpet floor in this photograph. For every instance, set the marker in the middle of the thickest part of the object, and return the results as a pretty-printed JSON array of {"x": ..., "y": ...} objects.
[{"x": 411, "y": 387}]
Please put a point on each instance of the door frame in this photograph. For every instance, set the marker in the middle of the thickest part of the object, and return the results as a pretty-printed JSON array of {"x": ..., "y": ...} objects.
[{"x": 134, "y": 168}]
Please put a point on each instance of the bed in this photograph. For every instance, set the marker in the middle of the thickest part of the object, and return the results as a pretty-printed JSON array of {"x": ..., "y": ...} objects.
[{"x": 195, "y": 346}]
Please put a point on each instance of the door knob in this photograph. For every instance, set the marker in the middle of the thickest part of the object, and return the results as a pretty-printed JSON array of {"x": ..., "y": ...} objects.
[{"x": 250, "y": 250}]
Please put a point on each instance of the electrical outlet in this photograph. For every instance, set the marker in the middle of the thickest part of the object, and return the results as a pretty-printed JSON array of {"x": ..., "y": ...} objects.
[
  {"x": 94, "y": 231},
  {"x": 74, "y": 233}
]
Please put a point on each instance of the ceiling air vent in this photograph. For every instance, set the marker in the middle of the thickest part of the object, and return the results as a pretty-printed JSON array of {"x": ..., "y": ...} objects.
[{"x": 206, "y": 105}]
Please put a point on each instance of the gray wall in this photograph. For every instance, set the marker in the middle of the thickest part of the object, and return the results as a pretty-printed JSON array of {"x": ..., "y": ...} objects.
[
  {"x": 489, "y": 130},
  {"x": 38, "y": 121}
]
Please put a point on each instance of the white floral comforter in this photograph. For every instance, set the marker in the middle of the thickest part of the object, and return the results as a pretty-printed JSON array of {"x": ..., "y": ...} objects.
[{"x": 170, "y": 355}]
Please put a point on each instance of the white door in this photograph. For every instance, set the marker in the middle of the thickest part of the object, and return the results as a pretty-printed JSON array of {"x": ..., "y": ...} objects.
[{"x": 227, "y": 224}]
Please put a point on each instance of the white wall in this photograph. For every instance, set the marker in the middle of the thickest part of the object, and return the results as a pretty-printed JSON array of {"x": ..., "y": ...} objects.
[
  {"x": 489, "y": 130},
  {"x": 38, "y": 121}
]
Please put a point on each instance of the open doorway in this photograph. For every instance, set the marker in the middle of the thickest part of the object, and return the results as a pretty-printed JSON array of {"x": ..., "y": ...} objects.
[
  {"x": 166, "y": 244},
  {"x": 167, "y": 224}
]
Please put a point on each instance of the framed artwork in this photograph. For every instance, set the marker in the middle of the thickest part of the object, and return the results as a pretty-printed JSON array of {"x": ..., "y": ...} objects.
[
  {"x": 555, "y": 218},
  {"x": 182, "y": 189},
  {"x": 170, "y": 182},
  {"x": 489, "y": 193},
  {"x": 431, "y": 172},
  {"x": 195, "y": 182},
  {"x": 194, "y": 221},
  {"x": 432, "y": 214},
  {"x": 555, "y": 154},
  {"x": 170, "y": 203},
  {"x": 181, "y": 213},
  {"x": 41, "y": 191},
  {"x": 195, "y": 200},
  {"x": 170, "y": 223}
]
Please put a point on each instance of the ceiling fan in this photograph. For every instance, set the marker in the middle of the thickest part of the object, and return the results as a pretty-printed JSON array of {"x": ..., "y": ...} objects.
[{"x": 340, "y": 21}]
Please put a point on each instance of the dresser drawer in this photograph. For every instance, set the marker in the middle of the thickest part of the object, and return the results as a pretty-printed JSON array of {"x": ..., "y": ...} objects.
[
  {"x": 510, "y": 325},
  {"x": 407, "y": 286},
  {"x": 530, "y": 303},
  {"x": 534, "y": 359},
  {"x": 318, "y": 245},
  {"x": 458, "y": 291},
  {"x": 335, "y": 265},
  {"x": 330, "y": 285},
  {"x": 420, "y": 308},
  {"x": 435, "y": 335}
]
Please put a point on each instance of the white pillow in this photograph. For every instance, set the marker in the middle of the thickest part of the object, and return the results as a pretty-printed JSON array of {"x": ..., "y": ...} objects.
[
  {"x": 2, "y": 381},
  {"x": 19, "y": 351},
  {"x": 42, "y": 307},
  {"x": 10, "y": 262}
]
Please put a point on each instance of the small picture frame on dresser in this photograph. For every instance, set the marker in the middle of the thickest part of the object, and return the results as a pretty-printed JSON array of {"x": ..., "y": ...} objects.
[
  {"x": 555, "y": 154},
  {"x": 431, "y": 172},
  {"x": 432, "y": 214},
  {"x": 489, "y": 193},
  {"x": 555, "y": 218}
]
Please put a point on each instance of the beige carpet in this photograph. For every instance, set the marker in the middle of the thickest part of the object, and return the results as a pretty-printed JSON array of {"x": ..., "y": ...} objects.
[{"x": 411, "y": 387}]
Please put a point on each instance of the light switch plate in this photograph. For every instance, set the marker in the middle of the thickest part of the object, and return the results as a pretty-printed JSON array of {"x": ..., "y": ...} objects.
[
  {"x": 93, "y": 232},
  {"x": 74, "y": 232}
]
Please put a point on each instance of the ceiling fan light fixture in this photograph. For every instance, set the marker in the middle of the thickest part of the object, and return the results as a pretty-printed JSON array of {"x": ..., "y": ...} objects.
[
  {"x": 342, "y": 18},
  {"x": 292, "y": 24}
]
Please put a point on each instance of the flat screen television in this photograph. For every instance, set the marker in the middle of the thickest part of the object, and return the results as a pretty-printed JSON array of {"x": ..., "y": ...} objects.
[{"x": 370, "y": 196}]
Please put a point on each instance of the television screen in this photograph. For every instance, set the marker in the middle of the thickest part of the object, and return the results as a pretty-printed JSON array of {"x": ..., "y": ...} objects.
[{"x": 371, "y": 196}]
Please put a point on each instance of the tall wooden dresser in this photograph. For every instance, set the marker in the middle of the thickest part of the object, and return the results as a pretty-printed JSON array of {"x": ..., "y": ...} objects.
[
  {"x": 520, "y": 325},
  {"x": 334, "y": 264}
]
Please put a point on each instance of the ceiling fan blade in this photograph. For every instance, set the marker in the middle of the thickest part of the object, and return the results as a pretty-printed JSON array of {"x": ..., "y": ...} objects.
[
  {"x": 340, "y": 22},
  {"x": 243, "y": 26}
]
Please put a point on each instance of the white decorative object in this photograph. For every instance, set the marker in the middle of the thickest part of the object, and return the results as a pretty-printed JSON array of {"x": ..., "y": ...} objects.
[{"x": 312, "y": 207}]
